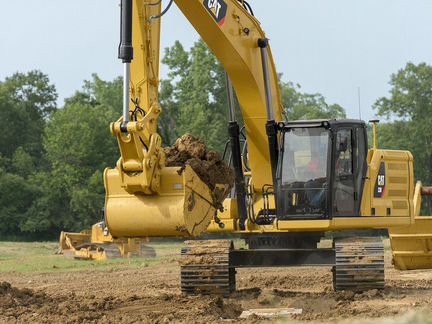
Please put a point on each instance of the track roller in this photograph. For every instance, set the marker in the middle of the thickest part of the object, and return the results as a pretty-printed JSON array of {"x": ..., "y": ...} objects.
[
  {"x": 205, "y": 267},
  {"x": 359, "y": 264}
]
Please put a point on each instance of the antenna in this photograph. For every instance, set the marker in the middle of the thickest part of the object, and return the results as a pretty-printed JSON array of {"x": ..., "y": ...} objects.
[{"x": 359, "y": 102}]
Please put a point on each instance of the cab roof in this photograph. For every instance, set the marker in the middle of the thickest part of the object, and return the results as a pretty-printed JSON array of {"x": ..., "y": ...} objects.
[{"x": 329, "y": 123}]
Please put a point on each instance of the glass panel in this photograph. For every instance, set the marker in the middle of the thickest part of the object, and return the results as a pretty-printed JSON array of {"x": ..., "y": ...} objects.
[
  {"x": 304, "y": 171},
  {"x": 344, "y": 178},
  {"x": 305, "y": 155},
  {"x": 344, "y": 157},
  {"x": 361, "y": 153}
]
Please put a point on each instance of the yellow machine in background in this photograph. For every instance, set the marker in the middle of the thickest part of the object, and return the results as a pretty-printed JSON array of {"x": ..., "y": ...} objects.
[
  {"x": 297, "y": 181},
  {"x": 412, "y": 245},
  {"x": 98, "y": 244}
]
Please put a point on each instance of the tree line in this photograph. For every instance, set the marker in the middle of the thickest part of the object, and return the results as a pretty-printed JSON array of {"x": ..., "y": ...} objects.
[{"x": 52, "y": 158}]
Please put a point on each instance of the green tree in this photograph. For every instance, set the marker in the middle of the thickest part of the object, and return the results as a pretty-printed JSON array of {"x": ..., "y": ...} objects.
[
  {"x": 16, "y": 198},
  {"x": 194, "y": 95},
  {"x": 97, "y": 92},
  {"x": 300, "y": 105},
  {"x": 34, "y": 89},
  {"x": 26, "y": 102},
  {"x": 168, "y": 118},
  {"x": 78, "y": 147},
  {"x": 22, "y": 163},
  {"x": 409, "y": 106}
]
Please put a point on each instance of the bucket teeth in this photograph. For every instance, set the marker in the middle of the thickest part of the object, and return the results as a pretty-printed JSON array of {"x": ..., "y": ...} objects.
[
  {"x": 359, "y": 264},
  {"x": 205, "y": 268}
]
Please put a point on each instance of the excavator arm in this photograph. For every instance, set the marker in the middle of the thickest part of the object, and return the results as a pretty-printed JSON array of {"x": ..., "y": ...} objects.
[
  {"x": 136, "y": 131},
  {"x": 145, "y": 198},
  {"x": 234, "y": 35}
]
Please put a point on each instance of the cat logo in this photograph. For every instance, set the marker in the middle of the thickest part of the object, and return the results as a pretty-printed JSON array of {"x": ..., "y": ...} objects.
[
  {"x": 218, "y": 10},
  {"x": 380, "y": 183}
]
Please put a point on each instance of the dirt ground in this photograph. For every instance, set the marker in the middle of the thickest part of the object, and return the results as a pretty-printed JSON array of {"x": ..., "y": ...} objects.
[{"x": 151, "y": 294}]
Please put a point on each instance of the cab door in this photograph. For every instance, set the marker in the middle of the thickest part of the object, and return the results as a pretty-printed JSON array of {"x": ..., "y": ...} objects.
[
  {"x": 343, "y": 166},
  {"x": 349, "y": 165}
]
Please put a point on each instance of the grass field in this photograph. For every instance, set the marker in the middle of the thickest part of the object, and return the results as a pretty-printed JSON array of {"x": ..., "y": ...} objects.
[{"x": 42, "y": 257}]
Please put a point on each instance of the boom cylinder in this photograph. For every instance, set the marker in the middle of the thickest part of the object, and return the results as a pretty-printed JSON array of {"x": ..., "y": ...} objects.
[
  {"x": 271, "y": 126},
  {"x": 234, "y": 133},
  {"x": 125, "y": 53}
]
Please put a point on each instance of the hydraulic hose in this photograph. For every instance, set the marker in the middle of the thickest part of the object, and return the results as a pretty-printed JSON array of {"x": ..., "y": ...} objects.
[{"x": 163, "y": 12}]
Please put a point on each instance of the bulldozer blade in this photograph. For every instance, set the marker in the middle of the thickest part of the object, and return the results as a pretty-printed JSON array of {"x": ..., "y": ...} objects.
[
  {"x": 412, "y": 245},
  {"x": 95, "y": 246}
]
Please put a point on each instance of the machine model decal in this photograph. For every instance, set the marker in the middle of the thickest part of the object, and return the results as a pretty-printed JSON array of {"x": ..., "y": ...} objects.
[
  {"x": 218, "y": 9},
  {"x": 380, "y": 182}
]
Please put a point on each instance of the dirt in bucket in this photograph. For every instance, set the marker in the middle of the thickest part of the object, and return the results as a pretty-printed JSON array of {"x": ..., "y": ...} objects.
[{"x": 208, "y": 165}]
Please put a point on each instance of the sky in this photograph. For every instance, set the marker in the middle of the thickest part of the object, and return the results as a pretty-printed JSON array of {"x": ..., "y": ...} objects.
[{"x": 333, "y": 47}]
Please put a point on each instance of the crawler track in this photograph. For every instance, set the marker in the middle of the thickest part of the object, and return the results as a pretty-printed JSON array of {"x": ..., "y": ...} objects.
[
  {"x": 205, "y": 267},
  {"x": 359, "y": 264}
]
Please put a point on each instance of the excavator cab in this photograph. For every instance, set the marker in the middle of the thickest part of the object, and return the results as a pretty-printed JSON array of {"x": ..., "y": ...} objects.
[{"x": 321, "y": 169}]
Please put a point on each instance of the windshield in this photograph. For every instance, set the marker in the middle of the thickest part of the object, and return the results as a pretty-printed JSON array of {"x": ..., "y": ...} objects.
[
  {"x": 305, "y": 155},
  {"x": 303, "y": 180}
]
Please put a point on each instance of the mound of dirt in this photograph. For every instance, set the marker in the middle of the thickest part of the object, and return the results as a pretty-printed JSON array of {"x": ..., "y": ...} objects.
[
  {"x": 27, "y": 305},
  {"x": 218, "y": 307},
  {"x": 11, "y": 297},
  {"x": 208, "y": 165}
]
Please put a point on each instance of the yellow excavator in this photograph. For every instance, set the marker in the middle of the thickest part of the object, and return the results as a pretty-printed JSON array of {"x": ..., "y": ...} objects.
[{"x": 295, "y": 181}]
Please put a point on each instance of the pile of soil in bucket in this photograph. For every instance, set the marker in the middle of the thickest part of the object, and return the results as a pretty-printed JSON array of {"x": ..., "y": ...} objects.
[{"x": 207, "y": 164}]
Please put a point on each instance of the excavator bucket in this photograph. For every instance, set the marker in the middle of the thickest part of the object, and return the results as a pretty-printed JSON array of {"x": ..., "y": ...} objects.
[
  {"x": 412, "y": 245},
  {"x": 184, "y": 205}
]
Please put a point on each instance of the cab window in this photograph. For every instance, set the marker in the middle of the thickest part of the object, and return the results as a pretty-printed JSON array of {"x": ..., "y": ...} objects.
[
  {"x": 303, "y": 181},
  {"x": 343, "y": 185}
]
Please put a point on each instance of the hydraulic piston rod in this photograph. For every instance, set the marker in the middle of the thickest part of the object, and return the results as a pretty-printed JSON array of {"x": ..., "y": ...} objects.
[
  {"x": 125, "y": 53},
  {"x": 126, "y": 81}
]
